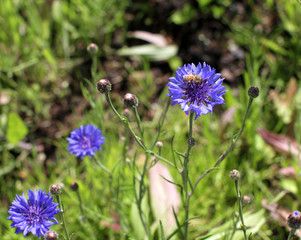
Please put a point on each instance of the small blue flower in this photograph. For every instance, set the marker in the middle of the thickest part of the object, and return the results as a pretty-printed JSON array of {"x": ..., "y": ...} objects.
[
  {"x": 85, "y": 140},
  {"x": 33, "y": 215},
  {"x": 196, "y": 88}
]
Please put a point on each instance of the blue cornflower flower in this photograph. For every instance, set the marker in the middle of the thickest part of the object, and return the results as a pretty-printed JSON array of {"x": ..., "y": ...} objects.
[
  {"x": 196, "y": 88},
  {"x": 85, "y": 140},
  {"x": 33, "y": 215}
]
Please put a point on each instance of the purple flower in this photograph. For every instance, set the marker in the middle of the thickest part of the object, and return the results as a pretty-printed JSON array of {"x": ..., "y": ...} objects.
[
  {"x": 85, "y": 140},
  {"x": 33, "y": 215},
  {"x": 196, "y": 88}
]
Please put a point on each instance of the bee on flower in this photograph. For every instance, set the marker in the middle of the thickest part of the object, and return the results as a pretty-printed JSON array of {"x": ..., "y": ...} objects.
[{"x": 196, "y": 88}]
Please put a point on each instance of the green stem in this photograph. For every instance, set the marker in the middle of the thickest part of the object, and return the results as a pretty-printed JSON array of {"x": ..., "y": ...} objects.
[
  {"x": 185, "y": 178},
  {"x": 292, "y": 232},
  {"x": 102, "y": 166},
  {"x": 125, "y": 122},
  {"x": 243, "y": 226},
  {"x": 148, "y": 153},
  {"x": 94, "y": 67},
  {"x": 80, "y": 205},
  {"x": 225, "y": 154},
  {"x": 138, "y": 121},
  {"x": 62, "y": 217}
]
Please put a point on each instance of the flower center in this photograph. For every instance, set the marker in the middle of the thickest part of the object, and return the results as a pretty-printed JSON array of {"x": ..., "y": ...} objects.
[
  {"x": 33, "y": 215},
  {"x": 197, "y": 92},
  {"x": 85, "y": 142}
]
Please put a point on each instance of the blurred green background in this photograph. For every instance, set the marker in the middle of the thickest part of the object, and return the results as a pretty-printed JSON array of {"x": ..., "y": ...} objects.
[{"x": 47, "y": 90}]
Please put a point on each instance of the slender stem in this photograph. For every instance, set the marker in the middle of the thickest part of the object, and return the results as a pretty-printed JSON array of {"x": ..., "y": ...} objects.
[
  {"x": 138, "y": 121},
  {"x": 292, "y": 232},
  {"x": 185, "y": 178},
  {"x": 94, "y": 67},
  {"x": 63, "y": 217},
  {"x": 225, "y": 154},
  {"x": 243, "y": 226},
  {"x": 101, "y": 166},
  {"x": 148, "y": 152},
  {"x": 110, "y": 176},
  {"x": 234, "y": 226},
  {"x": 80, "y": 205},
  {"x": 125, "y": 122}
]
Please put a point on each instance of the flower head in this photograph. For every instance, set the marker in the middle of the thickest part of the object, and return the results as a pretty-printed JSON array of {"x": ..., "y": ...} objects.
[
  {"x": 294, "y": 220},
  {"x": 34, "y": 215},
  {"x": 85, "y": 140},
  {"x": 196, "y": 88}
]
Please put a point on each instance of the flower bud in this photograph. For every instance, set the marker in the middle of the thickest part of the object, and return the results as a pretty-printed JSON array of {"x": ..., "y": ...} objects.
[
  {"x": 51, "y": 235},
  {"x": 74, "y": 186},
  {"x": 130, "y": 100},
  {"x": 294, "y": 220},
  {"x": 234, "y": 174},
  {"x": 253, "y": 92},
  {"x": 55, "y": 189},
  {"x": 191, "y": 142},
  {"x": 246, "y": 200},
  {"x": 126, "y": 112},
  {"x": 159, "y": 144},
  {"x": 104, "y": 86},
  {"x": 92, "y": 48}
]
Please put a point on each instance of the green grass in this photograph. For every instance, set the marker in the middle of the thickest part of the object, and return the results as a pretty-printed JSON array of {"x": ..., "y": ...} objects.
[{"x": 43, "y": 60}]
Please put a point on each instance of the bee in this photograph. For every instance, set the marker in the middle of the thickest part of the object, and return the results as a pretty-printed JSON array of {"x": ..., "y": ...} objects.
[
  {"x": 198, "y": 79},
  {"x": 192, "y": 77},
  {"x": 188, "y": 78}
]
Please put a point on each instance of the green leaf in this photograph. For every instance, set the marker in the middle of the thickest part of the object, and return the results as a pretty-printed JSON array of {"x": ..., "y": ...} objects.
[
  {"x": 274, "y": 46},
  {"x": 16, "y": 129}
]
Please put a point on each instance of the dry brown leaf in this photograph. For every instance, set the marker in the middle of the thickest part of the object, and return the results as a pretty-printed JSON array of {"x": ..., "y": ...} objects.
[
  {"x": 280, "y": 143},
  {"x": 288, "y": 172}
]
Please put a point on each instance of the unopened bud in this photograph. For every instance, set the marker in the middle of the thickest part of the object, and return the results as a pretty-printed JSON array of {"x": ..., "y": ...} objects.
[
  {"x": 159, "y": 144},
  {"x": 74, "y": 186},
  {"x": 126, "y": 112},
  {"x": 130, "y": 100},
  {"x": 104, "y": 86},
  {"x": 234, "y": 174},
  {"x": 246, "y": 200},
  {"x": 253, "y": 92},
  {"x": 92, "y": 48},
  {"x": 191, "y": 142},
  {"x": 51, "y": 235},
  {"x": 294, "y": 220},
  {"x": 55, "y": 189}
]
